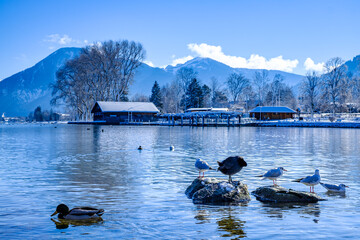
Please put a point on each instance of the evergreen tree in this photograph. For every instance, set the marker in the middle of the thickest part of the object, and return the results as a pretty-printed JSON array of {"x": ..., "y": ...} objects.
[
  {"x": 156, "y": 97},
  {"x": 194, "y": 95},
  {"x": 206, "y": 95},
  {"x": 38, "y": 115}
]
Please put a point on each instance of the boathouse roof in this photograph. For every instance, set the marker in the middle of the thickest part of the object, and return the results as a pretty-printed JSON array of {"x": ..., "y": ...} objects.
[
  {"x": 143, "y": 107},
  {"x": 264, "y": 109}
]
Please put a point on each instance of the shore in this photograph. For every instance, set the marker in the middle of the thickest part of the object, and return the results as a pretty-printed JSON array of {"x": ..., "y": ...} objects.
[{"x": 283, "y": 123}]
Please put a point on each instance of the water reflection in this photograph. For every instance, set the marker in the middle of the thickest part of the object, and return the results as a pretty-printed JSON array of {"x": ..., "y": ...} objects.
[
  {"x": 63, "y": 224},
  {"x": 278, "y": 210},
  {"x": 336, "y": 194},
  {"x": 232, "y": 225}
]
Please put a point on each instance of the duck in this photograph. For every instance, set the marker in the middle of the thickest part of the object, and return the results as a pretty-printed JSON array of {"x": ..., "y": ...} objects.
[
  {"x": 140, "y": 148},
  {"x": 202, "y": 166},
  {"x": 231, "y": 166},
  {"x": 80, "y": 213},
  {"x": 273, "y": 174},
  {"x": 310, "y": 180},
  {"x": 341, "y": 188}
]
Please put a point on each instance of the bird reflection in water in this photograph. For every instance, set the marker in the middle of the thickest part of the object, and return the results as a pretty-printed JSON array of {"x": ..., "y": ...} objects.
[
  {"x": 277, "y": 210},
  {"x": 202, "y": 215},
  {"x": 233, "y": 226},
  {"x": 313, "y": 210},
  {"x": 63, "y": 223}
]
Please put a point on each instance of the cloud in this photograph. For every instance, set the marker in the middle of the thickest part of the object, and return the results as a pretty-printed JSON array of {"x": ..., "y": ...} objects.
[
  {"x": 180, "y": 60},
  {"x": 57, "y": 38},
  {"x": 310, "y": 65},
  {"x": 254, "y": 62}
]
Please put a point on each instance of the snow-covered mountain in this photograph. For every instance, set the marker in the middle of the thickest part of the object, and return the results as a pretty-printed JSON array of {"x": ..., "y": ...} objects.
[
  {"x": 353, "y": 66},
  {"x": 208, "y": 68},
  {"x": 24, "y": 91}
]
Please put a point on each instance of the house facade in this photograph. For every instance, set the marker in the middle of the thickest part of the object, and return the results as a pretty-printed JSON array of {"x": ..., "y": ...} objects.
[
  {"x": 272, "y": 113},
  {"x": 117, "y": 112}
]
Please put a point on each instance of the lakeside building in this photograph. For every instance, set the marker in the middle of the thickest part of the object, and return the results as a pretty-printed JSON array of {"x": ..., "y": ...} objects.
[
  {"x": 116, "y": 112},
  {"x": 272, "y": 113}
]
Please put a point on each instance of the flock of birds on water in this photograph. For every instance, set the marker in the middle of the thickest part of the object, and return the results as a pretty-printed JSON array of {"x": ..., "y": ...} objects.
[{"x": 229, "y": 166}]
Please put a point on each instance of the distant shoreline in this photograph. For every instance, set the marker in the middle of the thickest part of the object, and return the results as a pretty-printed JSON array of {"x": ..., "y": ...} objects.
[{"x": 252, "y": 124}]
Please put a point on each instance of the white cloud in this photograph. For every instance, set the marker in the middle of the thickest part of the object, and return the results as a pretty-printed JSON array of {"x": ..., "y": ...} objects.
[
  {"x": 254, "y": 62},
  {"x": 310, "y": 65},
  {"x": 57, "y": 38},
  {"x": 181, "y": 60}
]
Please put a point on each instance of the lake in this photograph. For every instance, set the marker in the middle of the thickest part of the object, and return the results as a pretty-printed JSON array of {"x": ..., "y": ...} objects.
[{"x": 142, "y": 192}]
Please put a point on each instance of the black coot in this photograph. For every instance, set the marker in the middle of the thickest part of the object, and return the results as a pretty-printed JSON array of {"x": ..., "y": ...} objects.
[{"x": 231, "y": 166}]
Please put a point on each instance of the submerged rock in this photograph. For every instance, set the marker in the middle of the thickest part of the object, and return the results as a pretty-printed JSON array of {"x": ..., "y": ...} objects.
[
  {"x": 283, "y": 195},
  {"x": 217, "y": 191}
]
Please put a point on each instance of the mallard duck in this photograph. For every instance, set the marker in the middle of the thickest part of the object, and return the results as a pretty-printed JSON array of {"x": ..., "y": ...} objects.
[
  {"x": 81, "y": 213},
  {"x": 231, "y": 166}
]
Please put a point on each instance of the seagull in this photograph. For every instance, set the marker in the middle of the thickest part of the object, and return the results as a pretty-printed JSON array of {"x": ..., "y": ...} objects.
[
  {"x": 202, "y": 166},
  {"x": 310, "y": 180},
  {"x": 334, "y": 188},
  {"x": 273, "y": 174},
  {"x": 231, "y": 166}
]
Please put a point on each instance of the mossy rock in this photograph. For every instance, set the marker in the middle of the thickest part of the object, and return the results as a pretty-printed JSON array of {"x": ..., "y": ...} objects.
[
  {"x": 279, "y": 194},
  {"x": 217, "y": 192}
]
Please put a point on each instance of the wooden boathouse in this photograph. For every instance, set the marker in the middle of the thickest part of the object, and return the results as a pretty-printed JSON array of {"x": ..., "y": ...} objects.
[
  {"x": 272, "y": 113},
  {"x": 121, "y": 112}
]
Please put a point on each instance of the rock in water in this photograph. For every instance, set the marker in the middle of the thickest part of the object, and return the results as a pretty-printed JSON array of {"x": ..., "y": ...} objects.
[
  {"x": 217, "y": 192},
  {"x": 283, "y": 195}
]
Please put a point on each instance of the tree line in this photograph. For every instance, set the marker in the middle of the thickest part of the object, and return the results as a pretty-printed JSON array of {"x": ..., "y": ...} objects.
[
  {"x": 333, "y": 91},
  {"x": 186, "y": 91},
  {"x": 336, "y": 90},
  {"x": 105, "y": 71}
]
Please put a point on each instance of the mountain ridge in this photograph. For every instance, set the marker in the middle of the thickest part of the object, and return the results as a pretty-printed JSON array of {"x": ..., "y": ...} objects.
[{"x": 22, "y": 92}]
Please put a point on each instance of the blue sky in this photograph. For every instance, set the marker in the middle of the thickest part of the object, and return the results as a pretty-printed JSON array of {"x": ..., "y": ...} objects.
[{"x": 255, "y": 34}]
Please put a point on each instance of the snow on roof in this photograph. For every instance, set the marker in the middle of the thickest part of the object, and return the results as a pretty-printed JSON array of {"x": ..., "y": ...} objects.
[
  {"x": 272, "y": 109},
  {"x": 207, "y": 109},
  {"x": 128, "y": 107}
]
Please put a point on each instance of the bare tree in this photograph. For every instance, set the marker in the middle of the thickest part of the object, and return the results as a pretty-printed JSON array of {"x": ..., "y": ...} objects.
[
  {"x": 140, "y": 98},
  {"x": 170, "y": 97},
  {"x": 184, "y": 76},
  {"x": 214, "y": 87},
  {"x": 276, "y": 88},
  {"x": 236, "y": 84},
  {"x": 310, "y": 89},
  {"x": 102, "y": 72},
  {"x": 355, "y": 90},
  {"x": 260, "y": 80},
  {"x": 334, "y": 82}
]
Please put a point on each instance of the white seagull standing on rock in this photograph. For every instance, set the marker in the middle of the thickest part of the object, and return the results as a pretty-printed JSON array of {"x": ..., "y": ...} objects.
[
  {"x": 334, "y": 188},
  {"x": 202, "y": 166},
  {"x": 310, "y": 180},
  {"x": 273, "y": 174}
]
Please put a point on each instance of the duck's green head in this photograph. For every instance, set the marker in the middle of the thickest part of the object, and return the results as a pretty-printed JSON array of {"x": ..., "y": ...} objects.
[{"x": 61, "y": 208}]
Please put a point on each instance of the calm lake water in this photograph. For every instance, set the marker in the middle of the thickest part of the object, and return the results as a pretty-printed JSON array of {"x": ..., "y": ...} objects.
[{"x": 143, "y": 192}]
